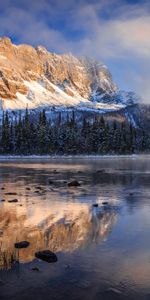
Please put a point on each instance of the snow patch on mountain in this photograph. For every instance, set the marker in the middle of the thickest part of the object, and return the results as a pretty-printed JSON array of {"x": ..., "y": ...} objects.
[{"x": 39, "y": 96}]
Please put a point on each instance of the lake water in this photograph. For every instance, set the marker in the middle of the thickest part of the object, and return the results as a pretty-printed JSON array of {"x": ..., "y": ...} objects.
[{"x": 103, "y": 252}]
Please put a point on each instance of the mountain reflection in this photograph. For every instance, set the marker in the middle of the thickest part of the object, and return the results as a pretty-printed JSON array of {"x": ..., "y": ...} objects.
[{"x": 61, "y": 227}]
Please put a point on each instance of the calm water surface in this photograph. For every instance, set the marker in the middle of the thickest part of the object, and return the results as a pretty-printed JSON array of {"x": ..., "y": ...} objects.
[{"x": 103, "y": 252}]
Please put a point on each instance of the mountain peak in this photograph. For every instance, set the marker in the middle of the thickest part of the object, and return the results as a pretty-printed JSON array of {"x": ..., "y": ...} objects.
[
  {"x": 41, "y": 49},
  {"x": 6, "y": 40}
]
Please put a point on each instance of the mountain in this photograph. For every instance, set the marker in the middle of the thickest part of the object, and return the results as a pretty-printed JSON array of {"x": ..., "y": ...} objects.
[
  {"x": 36, "y": 78},
  {"x": 56, "y": 104}
]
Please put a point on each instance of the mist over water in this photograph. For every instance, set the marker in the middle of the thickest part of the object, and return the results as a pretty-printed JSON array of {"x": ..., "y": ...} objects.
[{"x": 103, "y": 251}]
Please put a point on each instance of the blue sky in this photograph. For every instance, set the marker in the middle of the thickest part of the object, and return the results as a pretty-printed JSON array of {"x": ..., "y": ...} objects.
[{"x": 116, "y": 32}]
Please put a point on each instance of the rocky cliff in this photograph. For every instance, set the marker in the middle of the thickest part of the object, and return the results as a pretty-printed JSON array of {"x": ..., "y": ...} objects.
[{"x": 34, "y": 77}]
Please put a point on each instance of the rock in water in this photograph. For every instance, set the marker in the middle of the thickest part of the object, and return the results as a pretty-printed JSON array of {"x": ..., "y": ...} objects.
[
  {"x": 13, "y": 201},
  {"x": 23, "y": 244},
  {"x": 73, "y": 183},
  {"x": 46, "y": 255},
  {"x": 95, "y": 205},
  {"x": 35, "y": 269},
  {"x": 11, "y": 194},
  {"x": 51, "y": 182},
  {"x": 100, "y": 171},
  {"x": 39, "y": 187}
]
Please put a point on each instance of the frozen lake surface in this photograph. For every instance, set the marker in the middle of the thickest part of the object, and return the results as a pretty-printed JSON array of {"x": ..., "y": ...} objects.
[{"x": 100, "y": 230}]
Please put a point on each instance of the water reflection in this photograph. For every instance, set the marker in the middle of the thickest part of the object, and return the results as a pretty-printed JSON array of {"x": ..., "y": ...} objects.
[
  {"x": 103, "y": 252},
  {"x": 62, "y": 228}
]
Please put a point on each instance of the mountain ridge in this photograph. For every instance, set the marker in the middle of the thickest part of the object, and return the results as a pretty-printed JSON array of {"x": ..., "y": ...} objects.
[{"x": 33, "y": 77}]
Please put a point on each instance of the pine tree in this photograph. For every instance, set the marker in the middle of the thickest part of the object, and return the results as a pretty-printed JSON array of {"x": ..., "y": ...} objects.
[{"x": 6, "y": 139}]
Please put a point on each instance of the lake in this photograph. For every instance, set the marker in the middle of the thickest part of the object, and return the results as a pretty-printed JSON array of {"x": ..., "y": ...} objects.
[{"x": 100, "y": 230}]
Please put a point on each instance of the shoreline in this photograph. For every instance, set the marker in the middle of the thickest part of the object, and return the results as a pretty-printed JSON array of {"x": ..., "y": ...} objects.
[{"x": 82, "y": 156}]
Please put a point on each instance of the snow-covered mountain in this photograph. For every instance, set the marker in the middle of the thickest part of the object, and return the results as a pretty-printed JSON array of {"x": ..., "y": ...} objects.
[{"x": 36, "y": 78}]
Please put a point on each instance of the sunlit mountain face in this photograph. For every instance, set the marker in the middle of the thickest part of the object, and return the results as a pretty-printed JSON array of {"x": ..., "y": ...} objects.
[{"x": 35, "y": 78}]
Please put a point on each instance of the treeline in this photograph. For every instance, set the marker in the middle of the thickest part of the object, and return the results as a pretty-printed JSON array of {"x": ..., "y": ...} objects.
[{"x": 23, "y": 135}]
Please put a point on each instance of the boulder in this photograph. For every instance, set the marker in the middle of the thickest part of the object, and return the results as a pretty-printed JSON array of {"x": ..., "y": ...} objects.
[
  {"x": 46, "y": 255},
  {"x": 95, "y": 205},
  {"x": 51, "y": 182},
  {"x": 74, "y": 183},
  {"x": 38, "y": 187},
  {"x": 100, "y": 171},
  {"x": 105, "y": 203},
  {"x": 13, "y": 201}
]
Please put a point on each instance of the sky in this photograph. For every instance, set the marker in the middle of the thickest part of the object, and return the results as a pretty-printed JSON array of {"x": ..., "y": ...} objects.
[{"x": 116, "y": 32}]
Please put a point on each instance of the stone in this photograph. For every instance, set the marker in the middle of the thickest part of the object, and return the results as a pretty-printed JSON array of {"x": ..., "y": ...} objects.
[
  {"x": 95, "y": 205},
  {"x": 13, "y": 201},
  {"x": 11, "y": 194},
  {"x": 22, "y": 244},
  {"x": 35, "y": 269},
  {"x": 74, "y": 183},
  {"x": 51, "y": 182},
  {"x": 100, "y": 171},
  {"x": 39, "y": 187},
  {"x": 46, "y": 255}
]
